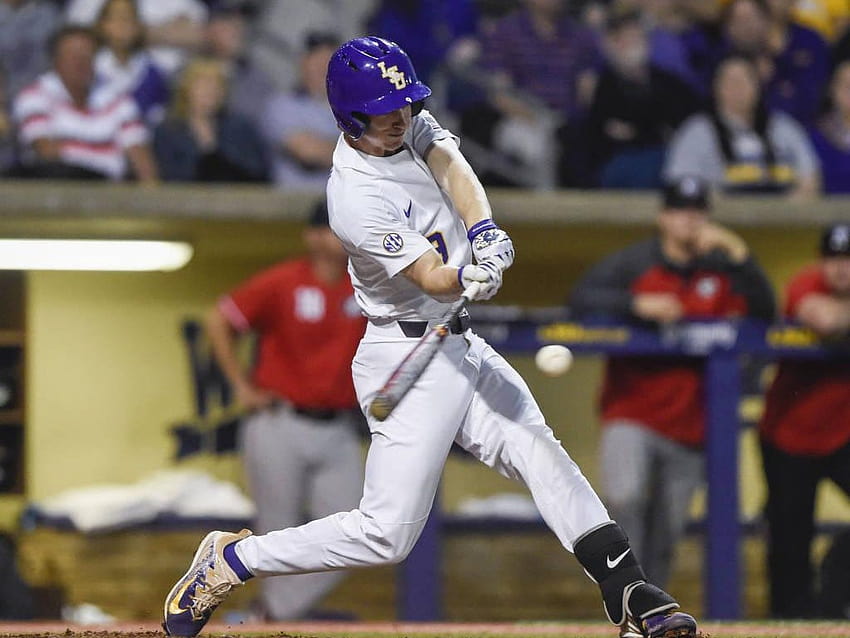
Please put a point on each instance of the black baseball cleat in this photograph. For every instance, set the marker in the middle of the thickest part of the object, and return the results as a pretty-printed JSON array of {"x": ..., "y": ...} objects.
[{"x": 670, "y": 624}]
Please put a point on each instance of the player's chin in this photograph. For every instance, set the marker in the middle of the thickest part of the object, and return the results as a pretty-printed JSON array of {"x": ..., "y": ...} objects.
[{"x": 394, "y": 143}]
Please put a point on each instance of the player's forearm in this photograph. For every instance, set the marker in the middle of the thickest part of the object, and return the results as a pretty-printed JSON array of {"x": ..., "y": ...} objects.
[
  {"x": 468, "y": 195},
  {"x": 435, "y": 279},
  {"x": 456, "y": 177},
  {"x": 825, "y": 315},
  {"x": 223, "y": 344}
]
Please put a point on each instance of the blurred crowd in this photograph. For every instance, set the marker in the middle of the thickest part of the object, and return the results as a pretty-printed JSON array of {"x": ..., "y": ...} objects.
[{"x": 750, "y": 95}]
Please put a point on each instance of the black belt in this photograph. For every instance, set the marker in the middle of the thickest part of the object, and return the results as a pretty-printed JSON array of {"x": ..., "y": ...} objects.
[
  {"x": 319, "y": 414},
  {"x": 415, "y": 329}
]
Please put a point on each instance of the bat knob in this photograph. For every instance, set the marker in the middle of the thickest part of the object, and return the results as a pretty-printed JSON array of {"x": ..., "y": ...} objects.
[{"x": 380, "y": 408}]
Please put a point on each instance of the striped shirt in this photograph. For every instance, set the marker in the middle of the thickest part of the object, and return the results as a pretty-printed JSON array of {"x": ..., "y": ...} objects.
[
  {"x": 94, "y": 137},
  {"x": 546, "y": 68}
]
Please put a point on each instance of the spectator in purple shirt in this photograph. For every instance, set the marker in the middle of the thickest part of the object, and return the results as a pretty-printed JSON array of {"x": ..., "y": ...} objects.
[
  {"x": 540, "y": 50},
  {"x": 792, "y": 60},
  {"x": 124, "y": 61},
  {"x": 741, "y": 28},
  {"x": 831, "y": 134},
  {"x": 667, "y": 21},
  {"x": 537, "y": 71},
  {"x": 801, "y": 61}
]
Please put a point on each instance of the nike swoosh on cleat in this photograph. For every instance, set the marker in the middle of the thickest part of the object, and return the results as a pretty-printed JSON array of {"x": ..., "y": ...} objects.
[
  {"x": 174, "y": 607},
  {"x": 613, "y": 563}
]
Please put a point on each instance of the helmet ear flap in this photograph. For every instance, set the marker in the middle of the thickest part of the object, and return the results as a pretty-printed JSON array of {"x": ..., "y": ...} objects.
[{"x": 362, "y": 119}]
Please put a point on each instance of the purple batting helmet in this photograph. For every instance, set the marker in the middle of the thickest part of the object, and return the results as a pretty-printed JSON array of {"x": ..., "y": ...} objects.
[{"x": 370, "y": 76}]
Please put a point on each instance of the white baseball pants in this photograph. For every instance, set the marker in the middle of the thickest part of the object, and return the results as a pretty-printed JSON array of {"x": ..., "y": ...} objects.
[{"x": 469, "y": 394}]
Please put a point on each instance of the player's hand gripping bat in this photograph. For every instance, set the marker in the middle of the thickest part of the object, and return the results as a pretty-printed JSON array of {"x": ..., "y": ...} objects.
[{"x": 417, "y": 360}]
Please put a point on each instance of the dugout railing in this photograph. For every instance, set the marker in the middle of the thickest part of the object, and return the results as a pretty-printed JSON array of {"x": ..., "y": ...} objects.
[{"x": 722, "y": 344}]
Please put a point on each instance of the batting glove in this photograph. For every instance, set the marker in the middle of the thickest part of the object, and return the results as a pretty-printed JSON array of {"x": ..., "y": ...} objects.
[
  {"x": 488, "y": 273},
  {"x": 491, "y": 242}
]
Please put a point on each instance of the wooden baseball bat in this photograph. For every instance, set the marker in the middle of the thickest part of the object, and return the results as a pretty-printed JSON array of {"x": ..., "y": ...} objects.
[{"x": 414, "y": 364}]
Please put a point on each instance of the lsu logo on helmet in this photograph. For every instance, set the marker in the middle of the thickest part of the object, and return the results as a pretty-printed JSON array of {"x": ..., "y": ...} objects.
[{"x": 392, "y": 74}]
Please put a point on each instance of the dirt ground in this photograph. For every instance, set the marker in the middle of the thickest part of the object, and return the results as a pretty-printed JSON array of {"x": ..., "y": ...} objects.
[{"x": 418, "y": 630}]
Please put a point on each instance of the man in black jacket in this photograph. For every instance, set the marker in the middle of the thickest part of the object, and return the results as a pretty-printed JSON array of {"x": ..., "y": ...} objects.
[
  {"x": 635, "y": 109},
  {"x": 652, "y": 408}
]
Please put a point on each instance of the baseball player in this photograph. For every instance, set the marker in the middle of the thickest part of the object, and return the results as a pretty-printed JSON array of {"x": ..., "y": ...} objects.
[{"x": 417, "y": 227}]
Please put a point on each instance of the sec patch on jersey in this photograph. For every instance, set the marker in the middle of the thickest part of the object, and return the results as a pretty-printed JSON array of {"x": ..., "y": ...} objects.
[{"x": 393, "y": 242}]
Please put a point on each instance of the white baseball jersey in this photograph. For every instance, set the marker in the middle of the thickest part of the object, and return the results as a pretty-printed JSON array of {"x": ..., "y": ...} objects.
[{"x": 388, "y": 211}]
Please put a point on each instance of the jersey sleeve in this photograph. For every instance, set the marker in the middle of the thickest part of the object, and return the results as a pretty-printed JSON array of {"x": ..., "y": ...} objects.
[
  {"x": 252, "y": 304},
  {"x": 378, "y": 232},
  {"x": 425, "y": 130}
]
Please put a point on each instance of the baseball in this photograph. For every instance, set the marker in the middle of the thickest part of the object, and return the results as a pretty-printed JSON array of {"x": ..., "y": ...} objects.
[{"x": 553, "y": 360}]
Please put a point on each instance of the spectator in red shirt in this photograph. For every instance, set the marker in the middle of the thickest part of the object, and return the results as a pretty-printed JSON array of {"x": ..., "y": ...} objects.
[
  {"x": 805, "y": 431},
  {"x": 299, "y": 442},
  {"x": 652, "y": 408}
]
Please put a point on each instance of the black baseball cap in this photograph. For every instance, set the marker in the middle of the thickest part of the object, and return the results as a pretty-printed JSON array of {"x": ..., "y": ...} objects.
[
  {"x": 835, "y": 241},
  {"x": 319, "y": 215},
  {"x": 686, "y": 193}
]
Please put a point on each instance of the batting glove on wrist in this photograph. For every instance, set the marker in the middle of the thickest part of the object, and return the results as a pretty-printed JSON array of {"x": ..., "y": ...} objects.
[
  {"x": 488, "y": 273},
  {"x": 491, "y": 242}
]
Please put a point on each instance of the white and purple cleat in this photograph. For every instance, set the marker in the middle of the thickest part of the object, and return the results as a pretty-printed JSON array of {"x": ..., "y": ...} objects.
[{"x": 210, "y": 578}]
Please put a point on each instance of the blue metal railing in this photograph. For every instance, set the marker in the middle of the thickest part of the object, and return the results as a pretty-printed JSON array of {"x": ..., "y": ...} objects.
[{"x": 721, "y": 343}]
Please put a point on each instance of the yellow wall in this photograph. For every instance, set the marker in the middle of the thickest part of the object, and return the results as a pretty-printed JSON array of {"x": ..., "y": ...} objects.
[{"x": 108, "y": 373}]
